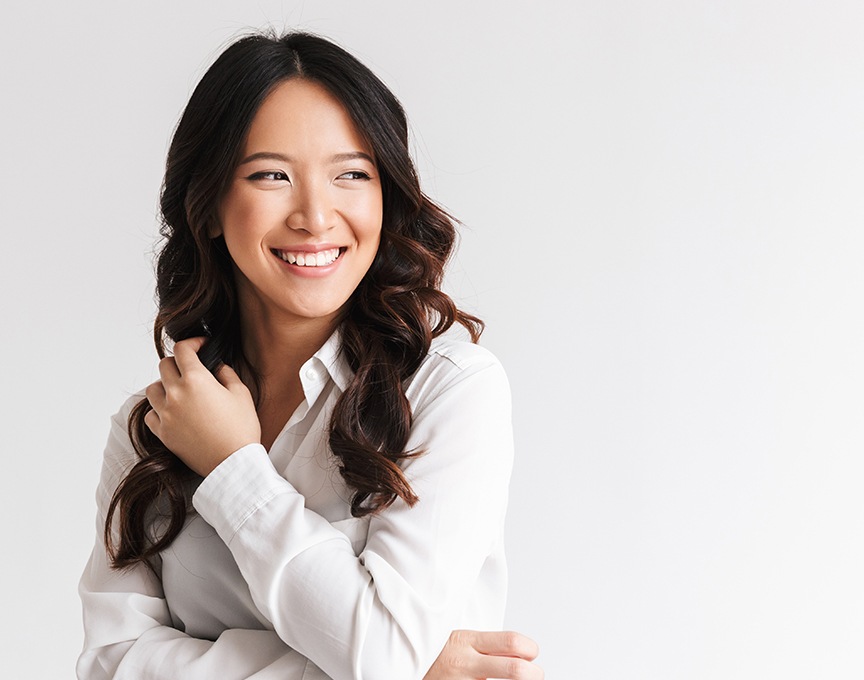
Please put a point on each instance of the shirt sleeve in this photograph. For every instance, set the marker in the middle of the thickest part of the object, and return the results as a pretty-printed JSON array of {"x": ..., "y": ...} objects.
[
  {"x": 128, "y": 633},
  {"x": 393, "y": 606}
]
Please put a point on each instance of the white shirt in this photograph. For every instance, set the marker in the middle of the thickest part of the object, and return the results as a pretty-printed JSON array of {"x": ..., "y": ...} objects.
[{"x": 273, "y": 578}]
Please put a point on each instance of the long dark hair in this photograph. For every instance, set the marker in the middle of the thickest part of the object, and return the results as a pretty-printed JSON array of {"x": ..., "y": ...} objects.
[{"x": 391, "y": 319}]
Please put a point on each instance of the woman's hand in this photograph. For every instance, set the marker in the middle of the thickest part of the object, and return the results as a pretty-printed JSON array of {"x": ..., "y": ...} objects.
[
  {"x": 202, "y": 419},
  {"x": 477, "y": 655}
]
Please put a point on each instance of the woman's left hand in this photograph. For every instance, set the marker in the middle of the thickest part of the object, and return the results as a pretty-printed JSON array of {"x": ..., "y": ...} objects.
[
  {"x": 476, "y": 655},
  {"x": 201, "y": 418}
]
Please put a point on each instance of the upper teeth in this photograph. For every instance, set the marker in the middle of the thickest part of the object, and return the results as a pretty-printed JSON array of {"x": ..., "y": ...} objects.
[{"x": 319, "y": 259}]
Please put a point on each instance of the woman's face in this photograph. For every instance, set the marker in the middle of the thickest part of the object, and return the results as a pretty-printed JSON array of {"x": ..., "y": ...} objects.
[{"x": 302, "y": 215}]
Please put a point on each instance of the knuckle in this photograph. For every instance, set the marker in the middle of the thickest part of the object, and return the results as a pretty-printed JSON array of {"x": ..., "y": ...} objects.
[
  {"x": 517, "y": 669},
  {"x": 512, "y": 641},
  {"x": 456, "y": 662},
  {"x": 151, "y": 420},
  {"x": 459, "y": 637},
  {"x": 520, "y": 645}
]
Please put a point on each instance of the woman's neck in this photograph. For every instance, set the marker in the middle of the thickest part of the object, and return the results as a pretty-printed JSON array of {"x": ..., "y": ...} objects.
[{"x": 277, "y": 348}]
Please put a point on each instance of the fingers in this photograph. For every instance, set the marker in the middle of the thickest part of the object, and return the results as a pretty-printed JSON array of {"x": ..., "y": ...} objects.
[
  {"x": 228, "y": 378},
  {"x": 151, "y": 420},
  {"x": 510, "y": 668},
  {"x": 155, "y": 394},
  {"x": 186, "y": 354},
  {"x": 168, "y": 370},
  {"x": 486, "y": 654},
  {"x": 491, "y": 654},
  {"x": 503, "y": 643}
]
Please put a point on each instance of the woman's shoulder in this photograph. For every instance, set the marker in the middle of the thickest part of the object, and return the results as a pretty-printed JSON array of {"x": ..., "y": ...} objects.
[
  {"x": 120, "y": 419},
  {"x": 120, "y": 455},
  {"x": 462, "y": 354},
  {"x": 452, "y": 362},
  {"x": 131, "y": 401}
]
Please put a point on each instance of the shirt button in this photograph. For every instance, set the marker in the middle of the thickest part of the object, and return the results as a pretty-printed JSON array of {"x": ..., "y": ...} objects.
[{"x": 311, "y": 374}]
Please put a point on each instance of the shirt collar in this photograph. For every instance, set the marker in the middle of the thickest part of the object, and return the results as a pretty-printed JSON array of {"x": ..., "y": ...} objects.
[{"x": 327, "y": 362}]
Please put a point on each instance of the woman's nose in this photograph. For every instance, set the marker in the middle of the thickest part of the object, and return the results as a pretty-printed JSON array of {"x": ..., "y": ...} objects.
[{"x": 312, "y": 210}]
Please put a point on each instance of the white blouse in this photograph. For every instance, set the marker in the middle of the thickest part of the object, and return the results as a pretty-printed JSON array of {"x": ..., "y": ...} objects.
[{"x": 272, "y": 577}]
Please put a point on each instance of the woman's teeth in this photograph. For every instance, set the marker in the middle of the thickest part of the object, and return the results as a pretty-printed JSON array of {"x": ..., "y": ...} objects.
[{"x": 320, "y": 259}]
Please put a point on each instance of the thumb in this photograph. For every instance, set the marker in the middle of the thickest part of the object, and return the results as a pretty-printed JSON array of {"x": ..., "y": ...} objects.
[
  {"x": 193, "y": 344},
  {"x": 186, "y": 354}
]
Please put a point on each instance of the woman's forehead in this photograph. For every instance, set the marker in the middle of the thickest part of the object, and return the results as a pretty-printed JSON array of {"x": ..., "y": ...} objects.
[{"x": 301, "y": 117}]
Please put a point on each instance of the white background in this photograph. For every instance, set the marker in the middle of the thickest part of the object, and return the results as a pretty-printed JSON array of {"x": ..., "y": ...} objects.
[{"x": 663, "y": 207}]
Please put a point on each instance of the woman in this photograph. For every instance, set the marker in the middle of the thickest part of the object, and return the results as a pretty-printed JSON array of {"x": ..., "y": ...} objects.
[{"x": 316, "y": 485}]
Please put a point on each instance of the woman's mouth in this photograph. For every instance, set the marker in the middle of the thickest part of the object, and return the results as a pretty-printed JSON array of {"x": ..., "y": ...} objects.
[{"x": 321, "y": 258}]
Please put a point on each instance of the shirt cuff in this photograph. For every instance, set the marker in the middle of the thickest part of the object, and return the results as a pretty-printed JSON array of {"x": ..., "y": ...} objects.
[{"x": 237, "y": 487}]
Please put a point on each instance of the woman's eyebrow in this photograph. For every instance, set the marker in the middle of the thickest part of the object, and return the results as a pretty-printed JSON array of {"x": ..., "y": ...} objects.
[
  {"x": 274, "y": 156},
  {"x": 268, "y": 155},
  {"x": 352, "y": 156}
]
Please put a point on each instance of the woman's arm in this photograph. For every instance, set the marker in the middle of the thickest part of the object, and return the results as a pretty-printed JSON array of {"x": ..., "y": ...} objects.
[
  {"x": 395, "y": 604},
  {"x": 128, "y": 636},
  {"x": 128, "y": 632}
]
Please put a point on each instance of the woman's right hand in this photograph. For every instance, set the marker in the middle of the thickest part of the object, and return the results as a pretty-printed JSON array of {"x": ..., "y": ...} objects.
[
  {"x": 477, "y": 655},
  {"x": 201, "y": 417}
]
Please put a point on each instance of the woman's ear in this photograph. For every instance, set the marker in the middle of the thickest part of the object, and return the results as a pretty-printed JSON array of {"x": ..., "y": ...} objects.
[{"x": 214, "y": 223}]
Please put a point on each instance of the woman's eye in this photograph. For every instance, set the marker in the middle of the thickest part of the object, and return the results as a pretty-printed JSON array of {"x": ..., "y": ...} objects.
[
  {"x": 354, "y": 174},
  {"x": 271, "y": 175}
]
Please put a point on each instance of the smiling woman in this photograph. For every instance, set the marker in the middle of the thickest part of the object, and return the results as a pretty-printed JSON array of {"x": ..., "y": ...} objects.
[
  {"x": 316, "y": 486},
  {"x": 302, "y": 215}
]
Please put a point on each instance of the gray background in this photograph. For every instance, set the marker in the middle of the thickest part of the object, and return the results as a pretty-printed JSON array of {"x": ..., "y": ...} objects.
[{"x": 662, "y": 206}]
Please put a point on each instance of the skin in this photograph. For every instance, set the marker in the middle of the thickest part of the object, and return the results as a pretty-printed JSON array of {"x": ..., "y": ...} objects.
[
  {"x": 307, "y": 180},
  {"x": 477, "y": 655}
]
